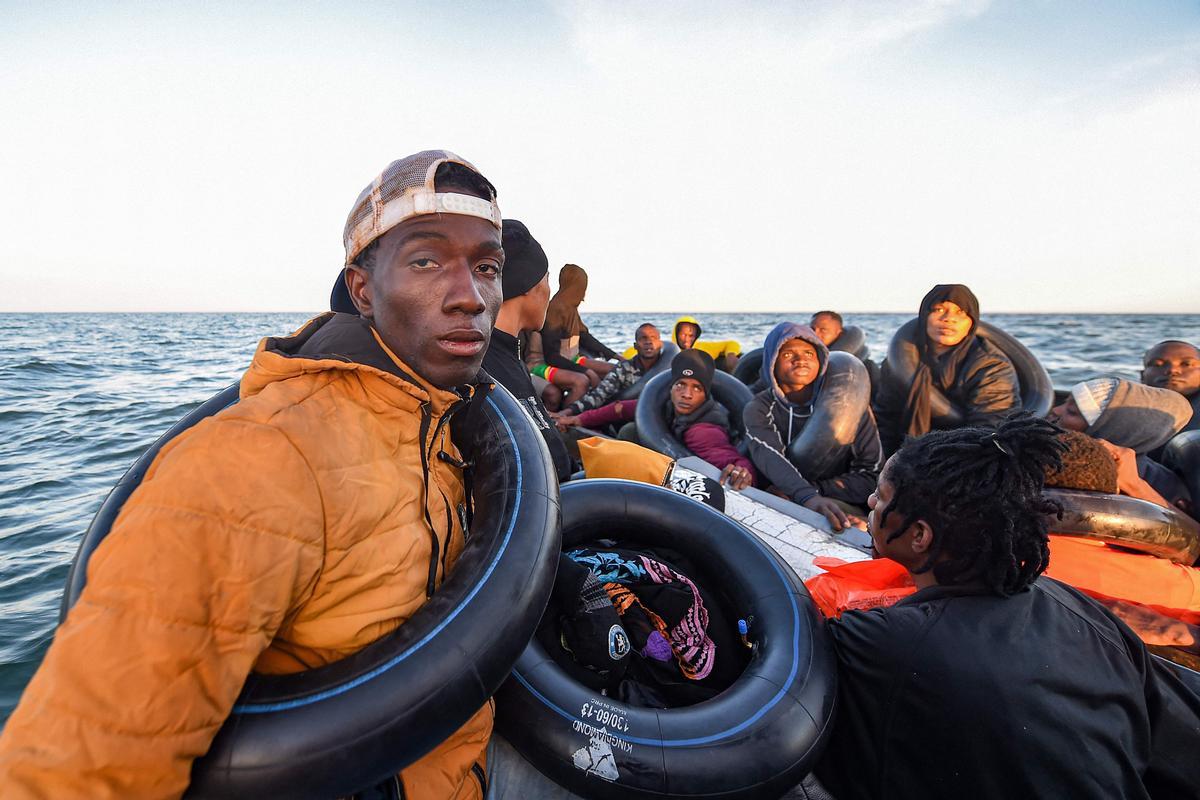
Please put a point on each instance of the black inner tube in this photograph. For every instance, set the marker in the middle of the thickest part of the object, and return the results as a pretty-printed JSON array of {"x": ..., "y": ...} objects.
[
  {"x": 655, "y": 433},
  {"x": 756, "y": 739},
  {"x": 1182, "y": 454},
  {"x": 1035, "y": 390},
  {"x": 346, "y": 726}
]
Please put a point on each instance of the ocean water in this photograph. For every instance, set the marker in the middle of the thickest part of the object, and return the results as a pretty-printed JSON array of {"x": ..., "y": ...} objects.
[{"x": 81, "y": 395}]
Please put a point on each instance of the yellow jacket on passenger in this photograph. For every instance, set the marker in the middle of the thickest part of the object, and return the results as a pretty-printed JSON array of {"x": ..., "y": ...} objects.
[{"x": 284, "y": 533}]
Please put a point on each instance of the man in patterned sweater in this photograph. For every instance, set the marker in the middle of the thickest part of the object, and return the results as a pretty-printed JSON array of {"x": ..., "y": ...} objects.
[{"x": 625, "y": 374}]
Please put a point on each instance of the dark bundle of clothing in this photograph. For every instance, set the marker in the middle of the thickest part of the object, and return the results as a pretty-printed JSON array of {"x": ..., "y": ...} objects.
[{"x": 680, "y": 649}]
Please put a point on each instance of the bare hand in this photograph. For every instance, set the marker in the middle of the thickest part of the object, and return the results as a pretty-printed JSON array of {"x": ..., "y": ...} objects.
[
  {"x": 839, "y": 520},
  {"x": 1126, "y": 461},
  {"x": 735, "y": 477},
  {"x": 593, "y": 378},
  {"x": 565, "y": 420}
]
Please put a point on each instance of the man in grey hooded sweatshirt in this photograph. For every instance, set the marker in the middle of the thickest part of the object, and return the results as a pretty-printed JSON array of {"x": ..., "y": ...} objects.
[{"x": 793, "y": 370}]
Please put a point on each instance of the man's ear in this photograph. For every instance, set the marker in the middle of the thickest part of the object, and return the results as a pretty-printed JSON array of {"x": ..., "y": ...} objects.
[
  {"x": 922, "y": 537},
  {"x": 358, "y": 282}
]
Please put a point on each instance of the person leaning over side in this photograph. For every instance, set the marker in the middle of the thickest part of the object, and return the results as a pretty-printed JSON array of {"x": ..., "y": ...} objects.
[
  {"x": 295, "y": 527},
  {"x": 794, "y": 363},
  {"x": 990, "y": 681},
  {"x": 526, "y": 289},
  {"x": 566, "y": 341}
]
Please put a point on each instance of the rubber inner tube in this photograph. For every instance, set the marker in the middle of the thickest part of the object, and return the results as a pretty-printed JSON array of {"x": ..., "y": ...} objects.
[
  {"x": 756, "y": 739},
  {"x": 1036, "y": 391},
  {"x": 820, "y": 449},
  {"x": 749, "y": 366},
  {"x": 669, "y": 351},
  {"x": 851, "y": 340},
  {"x": 1182, "y": 454},
  {"x": 345, "y": 727},
  {"x": 652, "y": 428},
  {"x": 1128, "y": 522}
]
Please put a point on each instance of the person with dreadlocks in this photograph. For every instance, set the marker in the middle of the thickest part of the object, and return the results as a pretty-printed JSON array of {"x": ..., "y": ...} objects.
[
  {"x": 990, "y": 681},
  {"x": 975, "y": 375}
]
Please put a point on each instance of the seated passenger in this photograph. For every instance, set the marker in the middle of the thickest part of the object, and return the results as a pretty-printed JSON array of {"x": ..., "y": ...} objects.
[
  {"x": 623, "y": 375},
  {"x": 1175, "y": 365},
  {"x": 828, "y": 325},
  {"x": 1131, "y": 419},
  {"x": 725, "y": 354},
  {"x": 700, "y": 422},
  {"x": 794, "y": 360},
  {"x": 975, "y": 375},
  {"x": 525, "y": 284},
  {"x": 566, "y": 341},
  {"x": 556, "y": 384},
  {"x": 990, "y": 681}
]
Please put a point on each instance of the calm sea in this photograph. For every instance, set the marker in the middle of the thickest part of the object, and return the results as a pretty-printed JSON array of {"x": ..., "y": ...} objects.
[{"x": 81, "y": 395}]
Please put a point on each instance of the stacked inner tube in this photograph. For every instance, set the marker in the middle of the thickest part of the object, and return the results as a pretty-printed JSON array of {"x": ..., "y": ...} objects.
[
  {"x": 345, "y": 727},
  {"x": 1128, "y": 522},
  {"x": 852, "y": 340},
  {"x": 652, "y": 428},
  {"x": 845, "y": 395},
  {"x": 1037, "y": 393},
  {"x": 758, "y": 738},
  {"x": 669, "y": 351}
]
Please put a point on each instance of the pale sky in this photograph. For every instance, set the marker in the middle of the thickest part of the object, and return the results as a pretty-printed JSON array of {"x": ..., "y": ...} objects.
[{"x": 690, "y": 155}]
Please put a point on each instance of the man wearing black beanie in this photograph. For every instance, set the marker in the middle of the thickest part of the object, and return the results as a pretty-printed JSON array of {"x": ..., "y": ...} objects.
[{"x": 526, "y": 291}]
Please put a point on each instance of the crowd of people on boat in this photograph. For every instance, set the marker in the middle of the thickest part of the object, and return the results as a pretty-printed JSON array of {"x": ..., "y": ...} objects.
[{"x": 322, "y": 510}]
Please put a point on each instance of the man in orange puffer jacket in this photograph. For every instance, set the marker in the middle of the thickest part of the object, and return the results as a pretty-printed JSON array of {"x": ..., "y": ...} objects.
[{"x": 293, "y": 528}]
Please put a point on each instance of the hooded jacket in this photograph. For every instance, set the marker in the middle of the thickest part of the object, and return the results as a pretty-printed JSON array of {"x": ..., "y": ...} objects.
[
  {"x": 975, "y": 375},
  {"x": 714, "y": 348},
  {"x": 286, "y": 532},
  {"x": 1130, "y": 414},
  {"x": 955, "y": 692},
  {"x": 564, "y": 332},
  {"x": 773, "y": 422}
]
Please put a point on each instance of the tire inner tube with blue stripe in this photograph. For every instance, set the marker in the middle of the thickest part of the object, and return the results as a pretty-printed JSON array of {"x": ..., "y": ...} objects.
[
  {"x": 757, "y": 738},
  {"x": 346, "y": 726},
  {"x": 651, "y": 415},
  {"x": 1037, "y": 393}
]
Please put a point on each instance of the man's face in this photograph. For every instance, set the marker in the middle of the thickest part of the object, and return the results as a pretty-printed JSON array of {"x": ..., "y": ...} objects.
[
  {"x": 686, "y": 334},
  {"x": 827, "y": 328},
  {"x": 797, "y": 365},
  {"x": 536, "y": 301},
  {"x": 434, "y": 294},
  {"x": 947, "y": 324},
  {"x": 687, "y": 394},
  {"x": 1067, "y": 415},
  {"x": 1174, "y": 366},
  {"x": 648, "y": 343}
]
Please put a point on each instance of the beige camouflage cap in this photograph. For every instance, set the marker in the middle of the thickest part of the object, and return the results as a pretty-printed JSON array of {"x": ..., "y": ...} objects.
[{"x": 405, "y": 190}]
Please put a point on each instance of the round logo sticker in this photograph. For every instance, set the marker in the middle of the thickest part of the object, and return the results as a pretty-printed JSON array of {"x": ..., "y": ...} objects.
[{"x": 618, "y": 643}]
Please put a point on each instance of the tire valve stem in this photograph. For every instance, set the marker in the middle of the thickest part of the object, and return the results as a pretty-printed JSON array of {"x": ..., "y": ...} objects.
[{"x": 744, "y": 630}]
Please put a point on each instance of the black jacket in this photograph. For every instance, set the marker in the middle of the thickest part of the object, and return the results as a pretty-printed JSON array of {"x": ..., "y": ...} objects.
[
  {"x": 503, "y": 362},
  {"x": 985, "y": 390},
  {"x": 958, "y": 693}
]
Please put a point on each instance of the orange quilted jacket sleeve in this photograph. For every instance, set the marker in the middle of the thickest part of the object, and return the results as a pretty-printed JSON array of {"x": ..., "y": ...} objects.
[{"x": 222, "y": 539}]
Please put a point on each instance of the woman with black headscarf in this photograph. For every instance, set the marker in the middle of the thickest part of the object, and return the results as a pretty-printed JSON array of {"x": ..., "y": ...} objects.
[{"x": 975, "y": 376}]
